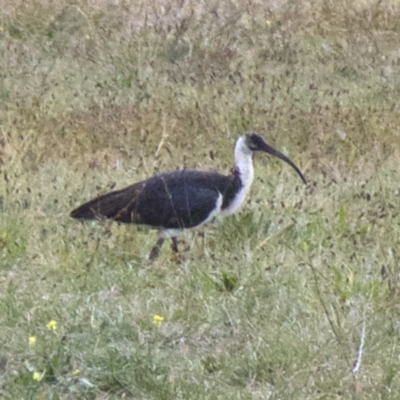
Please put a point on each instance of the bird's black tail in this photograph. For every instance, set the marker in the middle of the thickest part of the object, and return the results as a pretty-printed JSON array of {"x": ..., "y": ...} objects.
[{"x": 113, "y": 205}]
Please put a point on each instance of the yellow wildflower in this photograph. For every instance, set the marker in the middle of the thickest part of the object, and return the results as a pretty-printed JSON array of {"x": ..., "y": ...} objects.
[
  {"x": 37, "y": 377},
  {"x": 157, "y": 319},
  {"x": 52, "y": 325},
  {"x": 76, "y": 372},
  {"x": 32, "y": 340},
  {"x": 304, "y": 245}
]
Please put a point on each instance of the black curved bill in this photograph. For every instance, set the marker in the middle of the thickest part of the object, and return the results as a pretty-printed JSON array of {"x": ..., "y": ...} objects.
[{"x": 270, "y": 150}]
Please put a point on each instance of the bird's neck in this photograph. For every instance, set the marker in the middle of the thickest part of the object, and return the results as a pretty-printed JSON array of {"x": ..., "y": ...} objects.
[
  {"x": 244, "y": 165},
  {"x": 242, "y": 178}
]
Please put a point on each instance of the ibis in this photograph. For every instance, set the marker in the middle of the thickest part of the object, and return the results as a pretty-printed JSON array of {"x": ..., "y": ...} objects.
[{"x": 173, "y": 201}]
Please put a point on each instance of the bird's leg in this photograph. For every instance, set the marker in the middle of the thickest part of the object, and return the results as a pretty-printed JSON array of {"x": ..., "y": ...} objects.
[
  {"x": 156, "y": 249},
  {"x": 175, "y": 257},
  {"x": 174, "y": 245}
]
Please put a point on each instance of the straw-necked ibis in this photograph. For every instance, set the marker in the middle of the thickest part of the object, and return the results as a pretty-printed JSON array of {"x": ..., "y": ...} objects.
[{"x": 173, "y": 201}]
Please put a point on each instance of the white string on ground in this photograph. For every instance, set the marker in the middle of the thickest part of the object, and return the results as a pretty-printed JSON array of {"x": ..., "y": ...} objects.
[{"x": 357, "y": 362}]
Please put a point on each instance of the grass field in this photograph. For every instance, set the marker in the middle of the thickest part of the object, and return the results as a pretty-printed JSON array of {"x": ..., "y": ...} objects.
[{"x": 295, "y": 297}]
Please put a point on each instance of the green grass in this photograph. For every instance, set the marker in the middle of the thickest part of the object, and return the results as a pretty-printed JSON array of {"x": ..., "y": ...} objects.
[{"x": 272, "y": 303}]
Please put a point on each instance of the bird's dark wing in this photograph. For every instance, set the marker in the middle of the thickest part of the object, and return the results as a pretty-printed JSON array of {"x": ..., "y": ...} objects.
[{"x": 179, "y": 199}]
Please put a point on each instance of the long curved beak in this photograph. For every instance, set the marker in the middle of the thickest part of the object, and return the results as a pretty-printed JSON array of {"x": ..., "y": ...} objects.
[{"x": 270, "y": 150}]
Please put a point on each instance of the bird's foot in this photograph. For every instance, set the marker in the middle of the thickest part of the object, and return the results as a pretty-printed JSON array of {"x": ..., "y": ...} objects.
[
  {"x": 176, "y": 257},
  {"x": 155, "y": 251}
]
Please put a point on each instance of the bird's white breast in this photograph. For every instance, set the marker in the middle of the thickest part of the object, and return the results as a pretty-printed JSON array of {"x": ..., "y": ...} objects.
[{"x": 244, "y": 166}]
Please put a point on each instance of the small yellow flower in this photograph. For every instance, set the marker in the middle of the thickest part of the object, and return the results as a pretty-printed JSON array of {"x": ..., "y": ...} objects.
[
  {"x": 76, "y": 372},
  {"x": 157, "y": 319},
  {"x": 32, "y": 340},
  {"x": 37, "y": 377},
  {"x": 304, "y": 246},
  {"x": 52, "y": 325}
]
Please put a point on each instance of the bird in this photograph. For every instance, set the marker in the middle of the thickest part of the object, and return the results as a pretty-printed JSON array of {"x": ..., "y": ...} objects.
[{"x": 181, "y": 199}]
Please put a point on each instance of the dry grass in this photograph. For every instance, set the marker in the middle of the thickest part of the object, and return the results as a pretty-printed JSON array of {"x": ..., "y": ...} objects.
[{"x": 271, "y": 303}]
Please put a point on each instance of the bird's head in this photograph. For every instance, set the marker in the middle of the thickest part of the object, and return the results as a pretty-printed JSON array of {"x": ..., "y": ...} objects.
[{"x": 251, "y": 141}]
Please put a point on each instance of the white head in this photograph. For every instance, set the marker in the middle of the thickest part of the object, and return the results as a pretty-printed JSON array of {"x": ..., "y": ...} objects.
[{"x": 249, "y": 142}]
